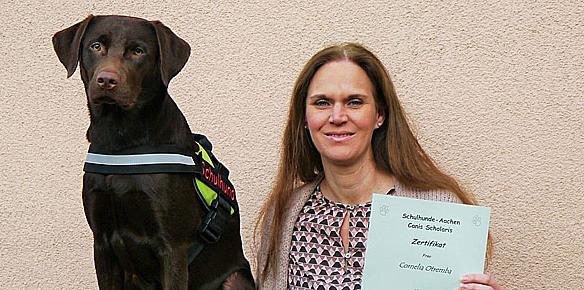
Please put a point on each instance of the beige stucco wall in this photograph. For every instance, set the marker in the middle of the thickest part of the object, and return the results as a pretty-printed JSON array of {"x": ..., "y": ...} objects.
[{"x": 494, "y": 90}]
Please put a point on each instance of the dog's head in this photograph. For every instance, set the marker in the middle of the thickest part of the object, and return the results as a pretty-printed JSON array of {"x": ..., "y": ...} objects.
[{"x": 124, "y": 61}]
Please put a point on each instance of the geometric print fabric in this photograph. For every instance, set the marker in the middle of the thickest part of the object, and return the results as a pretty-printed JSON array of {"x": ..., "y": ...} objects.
[{"x": 317, "y": 259}]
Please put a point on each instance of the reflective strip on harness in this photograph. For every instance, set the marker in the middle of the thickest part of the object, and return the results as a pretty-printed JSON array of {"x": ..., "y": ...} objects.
[{"x": 139, "y": 159}]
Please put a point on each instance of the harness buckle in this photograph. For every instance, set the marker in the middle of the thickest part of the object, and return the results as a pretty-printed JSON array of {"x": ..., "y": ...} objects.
[{"x": 212, "y": 226}]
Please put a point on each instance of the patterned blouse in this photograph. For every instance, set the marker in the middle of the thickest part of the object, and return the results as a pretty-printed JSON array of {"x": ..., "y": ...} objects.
[{"x": 317, "y": 257}]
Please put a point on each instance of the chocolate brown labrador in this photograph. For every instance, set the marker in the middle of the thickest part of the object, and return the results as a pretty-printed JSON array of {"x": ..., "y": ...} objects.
[{"x": 143, "y": 224}]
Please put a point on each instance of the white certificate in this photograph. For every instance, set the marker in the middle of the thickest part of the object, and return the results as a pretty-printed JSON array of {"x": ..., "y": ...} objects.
[{"x": 418, "y": 244}]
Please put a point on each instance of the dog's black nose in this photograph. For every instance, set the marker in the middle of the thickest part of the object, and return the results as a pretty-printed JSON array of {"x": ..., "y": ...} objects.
[{"x": 108, "y": 80}]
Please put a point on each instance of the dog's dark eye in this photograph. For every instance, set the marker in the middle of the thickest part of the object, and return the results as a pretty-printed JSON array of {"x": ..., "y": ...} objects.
[
  {"x": 138, "y": 51},
  {"x": 95, "y": 46}
]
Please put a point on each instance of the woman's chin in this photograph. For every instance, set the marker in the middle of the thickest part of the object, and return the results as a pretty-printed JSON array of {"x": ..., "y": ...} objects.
[{"x": 340, "y": 159}]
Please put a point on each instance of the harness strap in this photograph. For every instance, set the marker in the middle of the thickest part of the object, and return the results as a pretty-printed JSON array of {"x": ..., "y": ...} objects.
[
  {"x": 211, "y": 228},
  {"x": 211, "y": 177}
]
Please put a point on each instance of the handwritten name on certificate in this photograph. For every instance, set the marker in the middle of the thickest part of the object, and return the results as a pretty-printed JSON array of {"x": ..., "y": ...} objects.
[{"x": 418, "y": 244}]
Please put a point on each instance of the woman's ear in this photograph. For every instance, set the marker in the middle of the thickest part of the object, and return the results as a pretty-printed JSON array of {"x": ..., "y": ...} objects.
[{"x": 380, "y": 120}]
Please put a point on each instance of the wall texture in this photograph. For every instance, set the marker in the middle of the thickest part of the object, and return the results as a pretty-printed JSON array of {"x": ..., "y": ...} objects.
[{"x": 494, "y": 89}]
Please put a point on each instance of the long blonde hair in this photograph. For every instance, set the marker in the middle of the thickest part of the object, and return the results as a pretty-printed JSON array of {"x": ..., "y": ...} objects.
[{"x": 396, "y": 149}]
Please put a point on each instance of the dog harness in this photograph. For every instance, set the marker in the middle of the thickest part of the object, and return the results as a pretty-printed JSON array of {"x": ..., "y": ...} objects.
[{"x": 210, "y": 179}]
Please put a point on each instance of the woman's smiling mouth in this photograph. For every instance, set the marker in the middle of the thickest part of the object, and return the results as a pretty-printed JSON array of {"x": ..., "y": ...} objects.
[{"x": 339, "y": 136}]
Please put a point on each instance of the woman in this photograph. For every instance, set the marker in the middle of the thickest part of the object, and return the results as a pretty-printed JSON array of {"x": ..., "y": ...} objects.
[{"x": 346, "y": 137}]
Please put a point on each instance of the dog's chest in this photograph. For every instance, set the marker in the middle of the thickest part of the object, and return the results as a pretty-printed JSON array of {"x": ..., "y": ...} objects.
[
  {"x": 132, "y": 213},
  {"x": 120, "y": 186},
  {"x": 130, "y": 202}
]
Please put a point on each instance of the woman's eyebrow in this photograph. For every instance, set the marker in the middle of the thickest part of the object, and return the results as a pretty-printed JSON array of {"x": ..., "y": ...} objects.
[
  {"x": 351, "y": 96},
  {"x": 357, "y": 96},
  {"x": 317, "y": 96}
]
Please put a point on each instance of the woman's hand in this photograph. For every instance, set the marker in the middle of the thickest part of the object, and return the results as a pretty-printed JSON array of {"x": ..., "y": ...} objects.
[{"x": 479, "y": 282}]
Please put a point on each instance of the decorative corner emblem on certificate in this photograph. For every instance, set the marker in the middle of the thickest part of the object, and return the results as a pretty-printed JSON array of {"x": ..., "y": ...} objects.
[
  {"x": 476, "y": 220},
  {"x": 384, "y": 210},
  {"x": 423, "y": 245}
]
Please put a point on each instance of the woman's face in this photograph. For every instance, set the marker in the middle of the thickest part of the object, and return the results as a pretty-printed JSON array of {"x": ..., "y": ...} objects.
[{"x": 341, "y": 113}]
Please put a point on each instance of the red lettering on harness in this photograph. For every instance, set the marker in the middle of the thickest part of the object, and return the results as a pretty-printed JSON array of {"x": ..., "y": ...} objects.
[{"x": 217, "y": 180}]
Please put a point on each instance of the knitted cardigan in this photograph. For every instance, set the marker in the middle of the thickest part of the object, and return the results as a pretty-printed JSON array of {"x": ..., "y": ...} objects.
[{"x": 277, "y": 277}]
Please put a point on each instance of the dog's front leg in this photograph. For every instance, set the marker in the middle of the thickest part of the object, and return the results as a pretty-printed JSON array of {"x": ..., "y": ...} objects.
[
  {"x": 108, "y": 270},
  {"x": 175, "y": 269}
]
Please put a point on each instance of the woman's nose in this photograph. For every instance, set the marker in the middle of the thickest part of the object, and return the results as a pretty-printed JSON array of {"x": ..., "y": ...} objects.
[{"x": 338, "y": 115}]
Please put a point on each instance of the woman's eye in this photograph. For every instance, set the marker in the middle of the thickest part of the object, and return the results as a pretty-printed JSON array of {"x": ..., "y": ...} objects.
[
  {"x": 96, "y": 46},
  {"x": 355, "y": 102},
  {"x": 321, "y": 103},
  {"x": 138, "y": 51}
]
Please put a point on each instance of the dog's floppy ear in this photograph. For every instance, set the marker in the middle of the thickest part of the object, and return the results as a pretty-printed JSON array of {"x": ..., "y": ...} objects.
[
  {"x": 66, "y": 44},
  {"x": 174, "y": 52}
]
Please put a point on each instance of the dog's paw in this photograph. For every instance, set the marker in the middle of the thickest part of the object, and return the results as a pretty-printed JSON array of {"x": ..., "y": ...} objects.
[{"x": 238, "y": 281}]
